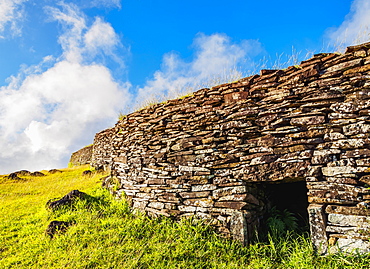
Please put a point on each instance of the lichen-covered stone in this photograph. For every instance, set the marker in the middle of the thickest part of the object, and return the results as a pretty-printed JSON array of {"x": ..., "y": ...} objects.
[{"x": 318, "y": 227}]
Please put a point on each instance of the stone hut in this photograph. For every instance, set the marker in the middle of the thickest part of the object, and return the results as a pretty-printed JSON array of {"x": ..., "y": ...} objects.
[
  {"x": 82, "y": 156},
  {"x": 296, "y": 139}
]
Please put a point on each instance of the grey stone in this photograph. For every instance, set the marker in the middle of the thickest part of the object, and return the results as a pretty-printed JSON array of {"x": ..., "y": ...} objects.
[
  {"x": 239, "y": 227},
  {"x": 318, "y": 227},
  {"x": 349, "y": 220}
]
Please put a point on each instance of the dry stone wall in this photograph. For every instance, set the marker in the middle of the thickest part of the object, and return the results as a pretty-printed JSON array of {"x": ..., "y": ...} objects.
[
  {"x": 210, "y": 155},
  {"x": 102, "y": 149},
  {"x": 82, "y": 156}
]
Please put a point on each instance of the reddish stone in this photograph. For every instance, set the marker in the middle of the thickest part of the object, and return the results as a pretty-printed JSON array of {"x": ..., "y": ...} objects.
[
  {"x": 235, "y": 96},
  {"x": 231, "y": 204},
  {"x": 308, "y": 120}
]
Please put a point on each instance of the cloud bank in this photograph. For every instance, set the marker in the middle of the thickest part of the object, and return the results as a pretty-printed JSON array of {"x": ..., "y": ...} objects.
[
  {"x": 53, "y": 108},
  {"x": 355, "y": 29}
]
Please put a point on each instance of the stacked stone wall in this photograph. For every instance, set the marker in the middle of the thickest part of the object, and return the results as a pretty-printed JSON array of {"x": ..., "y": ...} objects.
[
  {"x": 82, "y": 156},
  {"x": 207, "y": 155},
  {"x": 102, "y": 149}
]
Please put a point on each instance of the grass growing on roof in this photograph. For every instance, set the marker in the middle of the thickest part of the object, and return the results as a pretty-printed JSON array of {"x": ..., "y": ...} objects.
[{"x": 106, "y": 234}]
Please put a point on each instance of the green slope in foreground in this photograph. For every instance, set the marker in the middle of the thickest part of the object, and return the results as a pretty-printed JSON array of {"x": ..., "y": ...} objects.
[{"x": 106, "y": 234}]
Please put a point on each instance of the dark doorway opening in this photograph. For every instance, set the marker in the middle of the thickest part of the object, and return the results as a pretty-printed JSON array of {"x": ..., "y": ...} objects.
[{"x": 291, "y": 197}]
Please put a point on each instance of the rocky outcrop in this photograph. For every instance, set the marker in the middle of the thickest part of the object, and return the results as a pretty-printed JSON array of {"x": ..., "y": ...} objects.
[{"x": 210, "y": 155}]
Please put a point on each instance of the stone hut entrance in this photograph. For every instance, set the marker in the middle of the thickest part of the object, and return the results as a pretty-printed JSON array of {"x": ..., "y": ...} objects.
[{"x": 289, "y": 196}]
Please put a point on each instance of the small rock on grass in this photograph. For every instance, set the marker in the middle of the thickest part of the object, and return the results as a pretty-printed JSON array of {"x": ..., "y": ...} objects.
[
  {"x": 87, "y": 173},
  {"x": 54, "y": 171},
  {"x": 37, "y": 174},
  {"x": 56, "y": 226},
  {"x": 23, "y": 173},
  {"x": 14, "y": 176},
  {"x": 66, "y": 200}
]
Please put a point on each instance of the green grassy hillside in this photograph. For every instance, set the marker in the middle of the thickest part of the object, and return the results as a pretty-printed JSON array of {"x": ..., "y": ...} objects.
[{"x": 106, "y": 234}]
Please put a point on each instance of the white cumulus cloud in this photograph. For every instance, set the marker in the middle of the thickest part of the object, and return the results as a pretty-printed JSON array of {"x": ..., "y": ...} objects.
[
  {"x": 101, "y": 39},
  {"x": 11, "y": 12},
  {"x": 355, "y": 28},
  {"x": 216, "y": 59},
  {"x": 47, "y": 112},
  {"x": 82, "y": 42}
]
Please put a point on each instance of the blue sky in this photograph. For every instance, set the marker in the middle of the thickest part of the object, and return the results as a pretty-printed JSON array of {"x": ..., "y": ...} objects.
[{"x": 67, "y": 68}]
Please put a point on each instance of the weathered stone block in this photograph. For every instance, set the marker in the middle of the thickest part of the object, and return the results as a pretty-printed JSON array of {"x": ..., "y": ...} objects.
[
  {"x": 342, "y": 180},
  {"x": 198, "y": 194},
  {"x": 308, "y": 120},
  {"x": 351, "y": 245},
  {"x": 155, "y": 212},
  {"x": 156, "y": 181},
  {"x": 140, "y": 204},
  {"x": 363, "y": 162},
  {"x": 349, "y": 232},
  {"x": 350, "y": 162},
  {"x": 337, "y": 116},
  {"x": 350, "y": 143},
  {"x": 236, "y": 96},
  {"x": 200, "y": 202},
  {"x": 341, "y": 170},
  {"x": 344, "y": 65},
  {"x": 263, "y": 159},
  {"x": 360, "y": 68},
  {"x": 318, "y": 227},
  {"x": 325, "y": 152},
  {"x": 156, "y": 205},
  {"x": 321, "y": 159},
  {"x": 365, "y": 179},
  {"x": 343, "y": 107},
  {"x": 231, "y": 204},
  {"x": 192, "y": 168},
  {"x": 187, "y": 208},
  {"x": 299, "y": 155},
  {"x": 335, "y": 196},
  {"x": 323, "y": 185},
  {"x": 297, "y": 148},
  {"x": 357, "y": 153},
  {"x": 239, "y": 227},
  {"x": 349, "y": 220},
  {"x": 347, "y": 210},
  {"x": 205, "y": 187},
  {"x": 234, "y": 197},
  {"x": 228, "y": 191},
  {"x": 356, "y": 128},
  {"x": 333, "y": 136}
]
